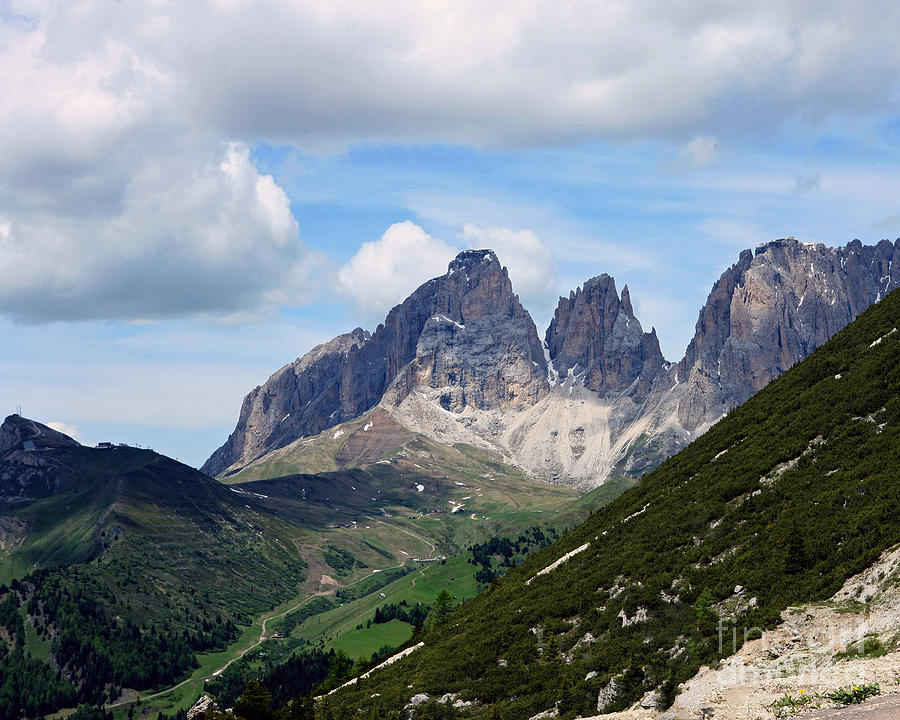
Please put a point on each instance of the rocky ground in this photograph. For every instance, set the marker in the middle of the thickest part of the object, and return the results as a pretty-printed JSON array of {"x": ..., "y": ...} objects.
[{"x": 802, "y": 658}]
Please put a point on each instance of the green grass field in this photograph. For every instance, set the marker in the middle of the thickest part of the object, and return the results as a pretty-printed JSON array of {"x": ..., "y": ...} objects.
[
  {"x": 457, "y": 576},
  {"x": 36, "y": 646},
  {"x": 360, "y": 644}
]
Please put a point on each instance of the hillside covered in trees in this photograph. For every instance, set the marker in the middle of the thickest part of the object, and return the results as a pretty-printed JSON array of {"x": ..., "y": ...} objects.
[{"x": 786, "y": 497}]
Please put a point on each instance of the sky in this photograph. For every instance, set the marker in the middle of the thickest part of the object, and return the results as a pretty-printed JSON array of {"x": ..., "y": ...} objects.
[{"x": 194, "y": 194}]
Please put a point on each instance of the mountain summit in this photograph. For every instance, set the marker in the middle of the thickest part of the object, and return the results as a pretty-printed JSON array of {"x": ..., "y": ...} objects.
[
  {"x": 772, "y": 309},
  {"x": 464, "y": 335},
  {"x": 777, "y": 506},
  {"x": 459, "y": 361},
  {"x": 17, "y": 430},
  {"x": 595, "y": 332}
]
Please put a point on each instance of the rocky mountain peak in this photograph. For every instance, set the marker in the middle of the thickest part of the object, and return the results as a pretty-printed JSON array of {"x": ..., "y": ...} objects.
[
  {"x": 594, "y": 331},
  {"x": 477, "y": 346},
  {"x": 773, "y": 308},
  {"x": 17, "y": 430},
  {"x": 626, "y": 301},
  {"x": 463, "y": 337},
  {"x": 473, "y": 261}
]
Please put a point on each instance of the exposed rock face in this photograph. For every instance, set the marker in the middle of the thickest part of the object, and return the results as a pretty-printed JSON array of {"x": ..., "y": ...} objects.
[
  {"x": 17, "y": 430},
  {"x": 772, "y": 309},
  {"x": 26, "y": 473},
  {"x": 616, "y": 408},
  {"x": 463, "y": 336},
  {"x": 202, "y": 707},
  {"x": 596, "y": 333},
  {"x": 302, "y": 398},
  {"x": 612, "y": 406},
  {"x": 478, "y": 347}
]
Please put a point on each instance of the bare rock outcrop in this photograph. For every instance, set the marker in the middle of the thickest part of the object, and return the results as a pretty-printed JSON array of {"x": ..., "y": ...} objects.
[
  {"x": 27, "y": 470},
  {"x": 300, "y": 399},
  {"x": 464, "y": 335},
  {"x": 460, "y": 361},
  {"x": 16, "y": 431},
  {"x": 595, "y": 332},
  {"x": 769, "y": 311}
]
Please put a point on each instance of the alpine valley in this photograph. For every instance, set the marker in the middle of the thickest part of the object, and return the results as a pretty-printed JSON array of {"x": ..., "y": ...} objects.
[{"x": 515, "y": 527}]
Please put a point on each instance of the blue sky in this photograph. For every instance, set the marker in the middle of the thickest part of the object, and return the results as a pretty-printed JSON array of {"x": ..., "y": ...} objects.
[{"x": 193, "y": 195}]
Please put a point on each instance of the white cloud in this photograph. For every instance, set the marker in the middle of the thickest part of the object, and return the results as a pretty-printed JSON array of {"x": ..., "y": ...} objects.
[
  {"x": 702, "y": 150},
  {"x": 384, "y": 272},
  {"x": 188, "y": 238},
  {"x": 530, "y": 262},
  {"x": 115, "y": 200},
  {"x": 65, "y": 428},
  {"x": 532, "y": 72}
]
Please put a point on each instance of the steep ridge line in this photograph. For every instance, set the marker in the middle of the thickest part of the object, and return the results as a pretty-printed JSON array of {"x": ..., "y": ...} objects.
[{"x": 607, "y": 404}]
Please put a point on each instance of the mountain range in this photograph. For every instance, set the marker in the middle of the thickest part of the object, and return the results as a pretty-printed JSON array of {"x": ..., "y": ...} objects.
[
  {"x": 423, "y": 438},
  {"x": 776, "y": 506},
  {"x": 460, "y": 361}
]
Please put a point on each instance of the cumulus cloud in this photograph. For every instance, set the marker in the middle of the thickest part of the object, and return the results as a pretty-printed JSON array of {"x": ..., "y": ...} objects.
[
  {"x": 188, "y": 238},
  {"x": 384, "y": 272},
  {"x": 533, "y": 72},
  {"x": 120, "y": 197},
  {"x": 529, "y": 261},
  {"x": 64, "y": 428}
]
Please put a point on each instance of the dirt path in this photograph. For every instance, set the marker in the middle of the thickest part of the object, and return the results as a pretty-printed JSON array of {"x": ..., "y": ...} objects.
[
  {"x": 882, "y": 708},
  {"x": 421, "y": 573},
  {"x": 263, "y": 635},
  {"x": 816, "y": 650}
]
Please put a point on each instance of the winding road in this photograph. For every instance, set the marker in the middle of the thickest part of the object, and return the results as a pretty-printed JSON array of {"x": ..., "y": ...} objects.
[{"x": 263, "y": 635}]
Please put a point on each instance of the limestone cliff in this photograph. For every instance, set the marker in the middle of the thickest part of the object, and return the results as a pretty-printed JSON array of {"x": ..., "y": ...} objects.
[
  {"x": 595, "y": 332},
  {"x": 462, "y": 337},
  {"x": 460, "y": 361},
  {"x": 772, "y": 309}
]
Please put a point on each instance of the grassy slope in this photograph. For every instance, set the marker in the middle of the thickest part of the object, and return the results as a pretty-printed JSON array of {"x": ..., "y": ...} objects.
[
  {"x": 191, "y": 549},
  {"x": 337, "y": 627},
  {"x": 153, "y": 542},
  {"x": 788, "y": 496}
]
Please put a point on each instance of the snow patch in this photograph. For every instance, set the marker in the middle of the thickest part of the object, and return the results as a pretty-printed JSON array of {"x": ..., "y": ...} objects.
[
  {"x": 552, "y": 566},
  {"x": 390, "y": 661},
  {"x": 420, "y": 488},
  {"x": 444, "y": 318},
  {"x": 368, "y": 426},
  {"x": 878, "y": 341},
  {"x": 338, "y": 434}
]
